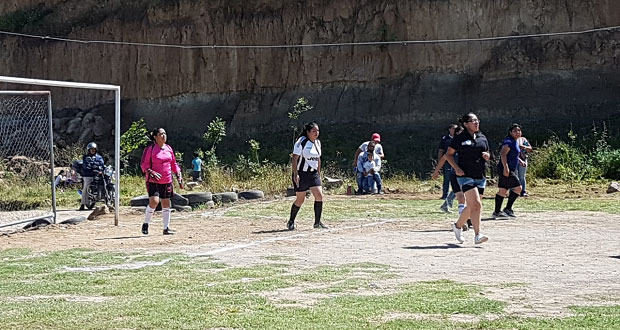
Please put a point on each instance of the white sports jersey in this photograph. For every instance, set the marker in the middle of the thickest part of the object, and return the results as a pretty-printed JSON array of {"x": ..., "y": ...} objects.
[
  {"x": 378, "y": 147},
  {"x": 309, "y": 154}
]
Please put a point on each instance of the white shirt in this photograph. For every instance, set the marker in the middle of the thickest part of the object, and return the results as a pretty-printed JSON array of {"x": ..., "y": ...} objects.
[
  {"x": 309, "y": 154},
  {"x": 378, "y": 147},
  {"x": 59, "y": 178}
]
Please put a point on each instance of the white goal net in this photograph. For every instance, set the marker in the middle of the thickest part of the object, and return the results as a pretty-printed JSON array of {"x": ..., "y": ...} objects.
[{"x": 26, "y": 158}]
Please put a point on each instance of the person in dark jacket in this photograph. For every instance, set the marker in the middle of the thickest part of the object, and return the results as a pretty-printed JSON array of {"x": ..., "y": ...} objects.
[{"x": 92, "y": 163}]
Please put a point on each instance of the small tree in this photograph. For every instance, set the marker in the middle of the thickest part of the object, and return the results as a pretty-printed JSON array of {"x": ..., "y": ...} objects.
[
  {"x": 133, "y": 139},
  {"x": 216, "y": 131},
  {"x": 302, "y": 105}
]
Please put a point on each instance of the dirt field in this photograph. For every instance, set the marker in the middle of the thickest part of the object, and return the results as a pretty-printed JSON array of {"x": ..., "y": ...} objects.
[{"x": 539, "y": 264}]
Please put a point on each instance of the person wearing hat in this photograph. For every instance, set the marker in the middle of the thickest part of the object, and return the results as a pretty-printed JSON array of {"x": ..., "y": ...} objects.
[
  {"x": 359, "y": 177},
  {"x": 91, "y": 162}
]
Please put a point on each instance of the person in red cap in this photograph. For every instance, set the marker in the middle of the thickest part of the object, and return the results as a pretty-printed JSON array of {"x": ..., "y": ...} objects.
[{"x": 362, "y": 148}]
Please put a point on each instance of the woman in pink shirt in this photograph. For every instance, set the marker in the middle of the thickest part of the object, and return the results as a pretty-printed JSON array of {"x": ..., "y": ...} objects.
[{"x": 158, "y": 164}]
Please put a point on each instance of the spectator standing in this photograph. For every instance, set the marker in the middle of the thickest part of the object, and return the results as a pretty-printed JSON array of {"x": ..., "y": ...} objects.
[
  {"x": 525, "y": 147},
  {"x": 92, "y": 162},
  {"x": 448, "y": 171},
  {"x": 197, "y": 165}
]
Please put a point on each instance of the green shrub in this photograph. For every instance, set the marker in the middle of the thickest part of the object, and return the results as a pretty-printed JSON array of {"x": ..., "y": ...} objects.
[
  {"x": 560, "y": 160},
  {"x": 609, "y": 163}
]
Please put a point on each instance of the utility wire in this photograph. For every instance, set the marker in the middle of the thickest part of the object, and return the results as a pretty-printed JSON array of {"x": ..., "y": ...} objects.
[{"x": 338, "y": 44}]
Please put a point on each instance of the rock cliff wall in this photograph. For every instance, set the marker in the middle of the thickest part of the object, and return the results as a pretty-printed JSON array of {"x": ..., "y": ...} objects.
[{"x": 402, "y": 90}]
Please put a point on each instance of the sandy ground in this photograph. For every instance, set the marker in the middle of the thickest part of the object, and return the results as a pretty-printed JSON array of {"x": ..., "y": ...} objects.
[{"x": 539, "y": 264}]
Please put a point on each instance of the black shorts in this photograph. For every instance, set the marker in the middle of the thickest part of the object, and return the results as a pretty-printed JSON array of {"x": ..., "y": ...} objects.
[
  {"x": 307, "y": 180},
  {"x": 508, "y": 182},
  {"x": 161, "y": 190},
  {"x": 455, "y": 184}
]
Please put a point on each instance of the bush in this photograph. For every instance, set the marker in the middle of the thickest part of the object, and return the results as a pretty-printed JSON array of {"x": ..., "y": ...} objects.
[
  {"x": 560, "y": 160},
  {"x": 609, "y": 163}
]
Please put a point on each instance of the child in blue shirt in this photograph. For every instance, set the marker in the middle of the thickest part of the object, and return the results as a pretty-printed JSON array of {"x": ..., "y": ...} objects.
[{"x": 197, "y": 165}]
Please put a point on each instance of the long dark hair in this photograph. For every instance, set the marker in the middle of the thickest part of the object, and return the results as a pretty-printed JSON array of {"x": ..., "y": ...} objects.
[
  {"x": 307, "y": 128},
  {"x": 154, "y": 133}
]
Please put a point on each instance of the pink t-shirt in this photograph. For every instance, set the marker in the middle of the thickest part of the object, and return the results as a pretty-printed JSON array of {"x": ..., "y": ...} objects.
[{"x": 160, "y": 160}]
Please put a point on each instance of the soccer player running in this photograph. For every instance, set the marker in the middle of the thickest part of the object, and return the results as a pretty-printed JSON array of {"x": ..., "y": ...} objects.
[
  {"x": 158, "y": 163},
  {"x": 507, "y": 171},
  {"x": 307, "y": 173},
  {"x": 473, "y": 150}
]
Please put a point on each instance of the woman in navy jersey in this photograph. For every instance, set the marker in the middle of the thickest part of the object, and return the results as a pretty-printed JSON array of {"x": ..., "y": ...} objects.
[
  {"x": 473, "y": 153},
  {"x": 307, "y": 173}
]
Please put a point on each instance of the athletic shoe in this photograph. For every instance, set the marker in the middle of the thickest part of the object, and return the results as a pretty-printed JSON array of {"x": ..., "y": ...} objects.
[
  {"x": 480, "y": 239},
  {"x": 510, "y": 213},
  {"x": 145, "y": 228},
  {"x": 290, "y": 225},
  {"x": 499, "y": 215},
  {"x": 169, "y": 231},
  {"x": 444, "y": 208},
  {"x": 458, "y": 233},
  {"x": 320, "y": 225}
]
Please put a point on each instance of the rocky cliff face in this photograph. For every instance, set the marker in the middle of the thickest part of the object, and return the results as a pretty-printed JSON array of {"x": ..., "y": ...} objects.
[{"x": 402, "y": 90}]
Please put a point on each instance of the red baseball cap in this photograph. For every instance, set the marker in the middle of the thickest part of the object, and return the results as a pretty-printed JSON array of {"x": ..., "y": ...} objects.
[{"x": 376, "y": 137}]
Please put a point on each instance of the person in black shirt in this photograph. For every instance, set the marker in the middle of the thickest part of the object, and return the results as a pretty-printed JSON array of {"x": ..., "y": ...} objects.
[
  {"x": 473, "y": 150},
  {"x": 448, "y": 172}
]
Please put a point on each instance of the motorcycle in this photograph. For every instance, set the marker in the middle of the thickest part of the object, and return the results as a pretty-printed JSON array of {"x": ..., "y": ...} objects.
[{"x": 102, "y": 188}]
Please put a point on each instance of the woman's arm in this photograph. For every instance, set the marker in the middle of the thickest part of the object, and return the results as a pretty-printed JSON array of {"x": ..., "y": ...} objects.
[{"x": 450, "y": 158}]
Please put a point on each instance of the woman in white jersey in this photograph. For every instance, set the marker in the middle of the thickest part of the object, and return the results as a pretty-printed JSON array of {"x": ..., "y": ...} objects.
[{"x": 307, "y": 173}]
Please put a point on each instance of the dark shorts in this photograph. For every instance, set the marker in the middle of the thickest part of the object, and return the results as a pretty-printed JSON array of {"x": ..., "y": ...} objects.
[
  {"x": 510, "y": 181},
  {"x": 455, "y": 184},
  {"x": 307, "y": 180},
  {"x": 161, "y": 190}
]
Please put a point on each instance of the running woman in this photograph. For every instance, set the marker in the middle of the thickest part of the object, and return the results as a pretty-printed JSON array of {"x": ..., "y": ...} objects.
[
  {"x": 473, "y": 150},
  {"x": 507, "y": 171},
  {"x": 158, "y": 164},
  {"x": 307, "y": 173}
]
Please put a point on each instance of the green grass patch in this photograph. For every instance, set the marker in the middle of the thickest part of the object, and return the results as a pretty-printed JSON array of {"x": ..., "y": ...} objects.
[{"x": 198, "y": 293}]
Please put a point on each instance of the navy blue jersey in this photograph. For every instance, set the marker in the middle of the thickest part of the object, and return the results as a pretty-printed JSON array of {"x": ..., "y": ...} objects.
[{"x": 513, "y": 155}]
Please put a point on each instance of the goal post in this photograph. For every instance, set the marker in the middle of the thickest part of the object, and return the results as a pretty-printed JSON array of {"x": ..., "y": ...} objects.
[{"x": 117, "y": 120}]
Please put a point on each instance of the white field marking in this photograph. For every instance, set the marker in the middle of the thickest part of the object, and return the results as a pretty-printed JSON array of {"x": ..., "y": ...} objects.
[
  {"x": 285, "y": 238},
  {"x": 128, "y": 266}
]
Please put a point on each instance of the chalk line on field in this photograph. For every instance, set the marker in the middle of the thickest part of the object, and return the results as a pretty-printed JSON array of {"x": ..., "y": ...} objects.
[{"x": 285, "y": 238}]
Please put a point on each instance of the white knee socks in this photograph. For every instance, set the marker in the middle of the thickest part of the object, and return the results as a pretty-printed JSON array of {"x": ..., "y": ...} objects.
[
  {"x": 461, "y": 207},
  {"x": 166, "y": 216},
  {"x": 148, "y": 214}
]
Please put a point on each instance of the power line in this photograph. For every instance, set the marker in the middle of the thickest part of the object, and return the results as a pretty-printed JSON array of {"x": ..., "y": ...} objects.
[{"x": 338, "y": 44}]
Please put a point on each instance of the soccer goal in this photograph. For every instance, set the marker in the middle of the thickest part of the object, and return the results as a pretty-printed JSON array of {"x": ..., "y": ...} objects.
[{"x": 27, "y": 150}]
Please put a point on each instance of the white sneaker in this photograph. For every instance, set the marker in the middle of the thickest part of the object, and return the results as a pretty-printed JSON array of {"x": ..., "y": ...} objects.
[
  {"x": 480, "y": 238},
  {"x": 458, "y": 233}
]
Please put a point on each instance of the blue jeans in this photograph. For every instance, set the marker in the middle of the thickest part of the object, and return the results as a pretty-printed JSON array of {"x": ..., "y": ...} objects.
[
  {"x": 448, "y": 172},
  {"x": 360, "y": 181},
  {"x": 369, "y": 182},
  {"x": 521, "y": 170}
]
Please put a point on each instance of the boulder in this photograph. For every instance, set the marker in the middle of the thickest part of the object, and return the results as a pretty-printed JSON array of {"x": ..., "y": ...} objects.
[
  {"x": 252, "y": 194},
  {"x": 98, "y": 211},
  {"x": 613, "y": 187}
]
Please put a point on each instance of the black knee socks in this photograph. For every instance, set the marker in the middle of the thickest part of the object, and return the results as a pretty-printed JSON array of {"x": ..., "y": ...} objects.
[
  {"x": 294, "y": 210},
  {"x": 511, "y": 199},
  {"x": 498, "y": 203},
  {"x": 318, "y": 209}
]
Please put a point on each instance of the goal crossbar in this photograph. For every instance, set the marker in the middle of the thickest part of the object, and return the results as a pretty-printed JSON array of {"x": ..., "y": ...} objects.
[{"x": 117, "y": 119}]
